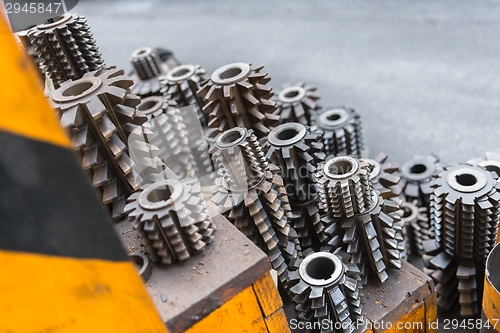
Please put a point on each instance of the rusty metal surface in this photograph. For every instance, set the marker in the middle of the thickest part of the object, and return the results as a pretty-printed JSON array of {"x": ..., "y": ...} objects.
[{"x": 211, "y": 280}]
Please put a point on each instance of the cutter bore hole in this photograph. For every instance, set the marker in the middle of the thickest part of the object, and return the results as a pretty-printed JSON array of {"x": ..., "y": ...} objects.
[
  {"x": 333, "y": 117},
  {"x": 406, "y": 212},
  {"x": 493, "y": 168},
  {"x": 230, "y": 137},
  {"x": 466, "y": 179},
  {"x": 292, "y": 94},
  {"x": 180, "y": 72},
  {"x": 138, "y": 261},
  {"x": 320, "y": 268},
  {"x": 287, "y": 134},
  {"x": 418, "y": 168},
  {"x": 340, "y": 168},
  {"x": 146, "y": 105},
  {"x": 160, "y": 194},
  {"x": 230, "y": 73},
  {"x": 77, "y": 89},
  {"x": 142, "y": 51}
]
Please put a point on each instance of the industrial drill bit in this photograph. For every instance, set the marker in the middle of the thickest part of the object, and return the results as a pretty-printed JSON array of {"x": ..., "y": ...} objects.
[
  {"x": 416, "y": 178},
  {"x": 66, "y": 48},
  {"x": 250, "y": 193},
  {"x": 297, "y": 151},
  {"x": 465, "y": 208},
  {"x": 341, "y": 130},
  {"x": 325, "y": 286},
  {"x": 98, "y": 112},
  {"x": 358, "y": 219},
  {"x": 297, "y": 103},
  {"x": 148, "y": 68},
  {"x": 181, "y": 84},
  {"x": 237, "y": 96},
  {"x": 172, "y": 220}
]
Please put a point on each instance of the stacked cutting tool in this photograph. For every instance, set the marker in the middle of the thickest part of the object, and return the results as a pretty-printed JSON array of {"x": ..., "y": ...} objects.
[{"x": 291, "y": 176}]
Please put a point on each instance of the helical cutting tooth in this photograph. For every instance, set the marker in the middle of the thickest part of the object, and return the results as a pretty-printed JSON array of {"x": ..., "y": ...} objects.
[
  {"x": 416, "y": 179},
  {"x": 172, "y": 220},
  {"x": 464, "y": 214},
  {"x": 148, "y": 68},
  {"x": 341, "y": 131},
  {"x": 98, "y": 132},
  {"x": 236, "y": 95},
  {"x": 251, "y": 194},
  {"x": 65, "y": 48},
  {"x": 297, "y": 103},
  {"x": 296, "y": 152},
  {"x": 180, "y": 85},
  {"x": 331, "y": 292},
  {"x": 358, "y": 219}
]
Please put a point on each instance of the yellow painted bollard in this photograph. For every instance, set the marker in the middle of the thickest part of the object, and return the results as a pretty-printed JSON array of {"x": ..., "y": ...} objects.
[
  {"x": 491, "y": 296},
  {"x": 62, "y": 266}
]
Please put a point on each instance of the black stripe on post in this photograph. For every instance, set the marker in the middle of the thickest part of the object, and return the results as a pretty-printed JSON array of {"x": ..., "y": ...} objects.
[{"x": 48, "y": 205}]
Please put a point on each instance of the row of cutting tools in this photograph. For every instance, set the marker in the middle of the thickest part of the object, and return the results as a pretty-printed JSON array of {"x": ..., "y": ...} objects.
[{"x": 292, "y": 177}]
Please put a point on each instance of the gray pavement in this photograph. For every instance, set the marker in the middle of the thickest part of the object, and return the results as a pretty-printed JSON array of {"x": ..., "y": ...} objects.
[{"x": 424, "y": 76}]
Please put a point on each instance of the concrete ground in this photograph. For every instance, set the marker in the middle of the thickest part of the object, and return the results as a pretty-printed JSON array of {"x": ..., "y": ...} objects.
[{"x": 424, "y": 76}]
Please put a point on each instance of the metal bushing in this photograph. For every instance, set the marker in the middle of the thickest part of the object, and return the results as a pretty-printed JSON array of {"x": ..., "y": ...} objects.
[
  {"x": 297, "y": 151},
  {"x": 99, "y": 113},
  {"x": 236, "y": 95},
  {"x": 250, "y": 193},
  {"x": 172, "y": 220},
  {"x": 341, "y": 130},
  {"x": 66, "y": 48},
  {"x": 144, "y": 267},
  {"x": 297, "y": 103},
  {"x": 323, "y": 287},
  {"x": 465, "y": 209}
]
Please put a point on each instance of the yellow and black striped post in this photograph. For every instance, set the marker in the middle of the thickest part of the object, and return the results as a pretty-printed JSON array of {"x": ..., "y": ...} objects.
[
  {"x": 491, "y": 295},
  {"x": 62, "y": 267}
]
